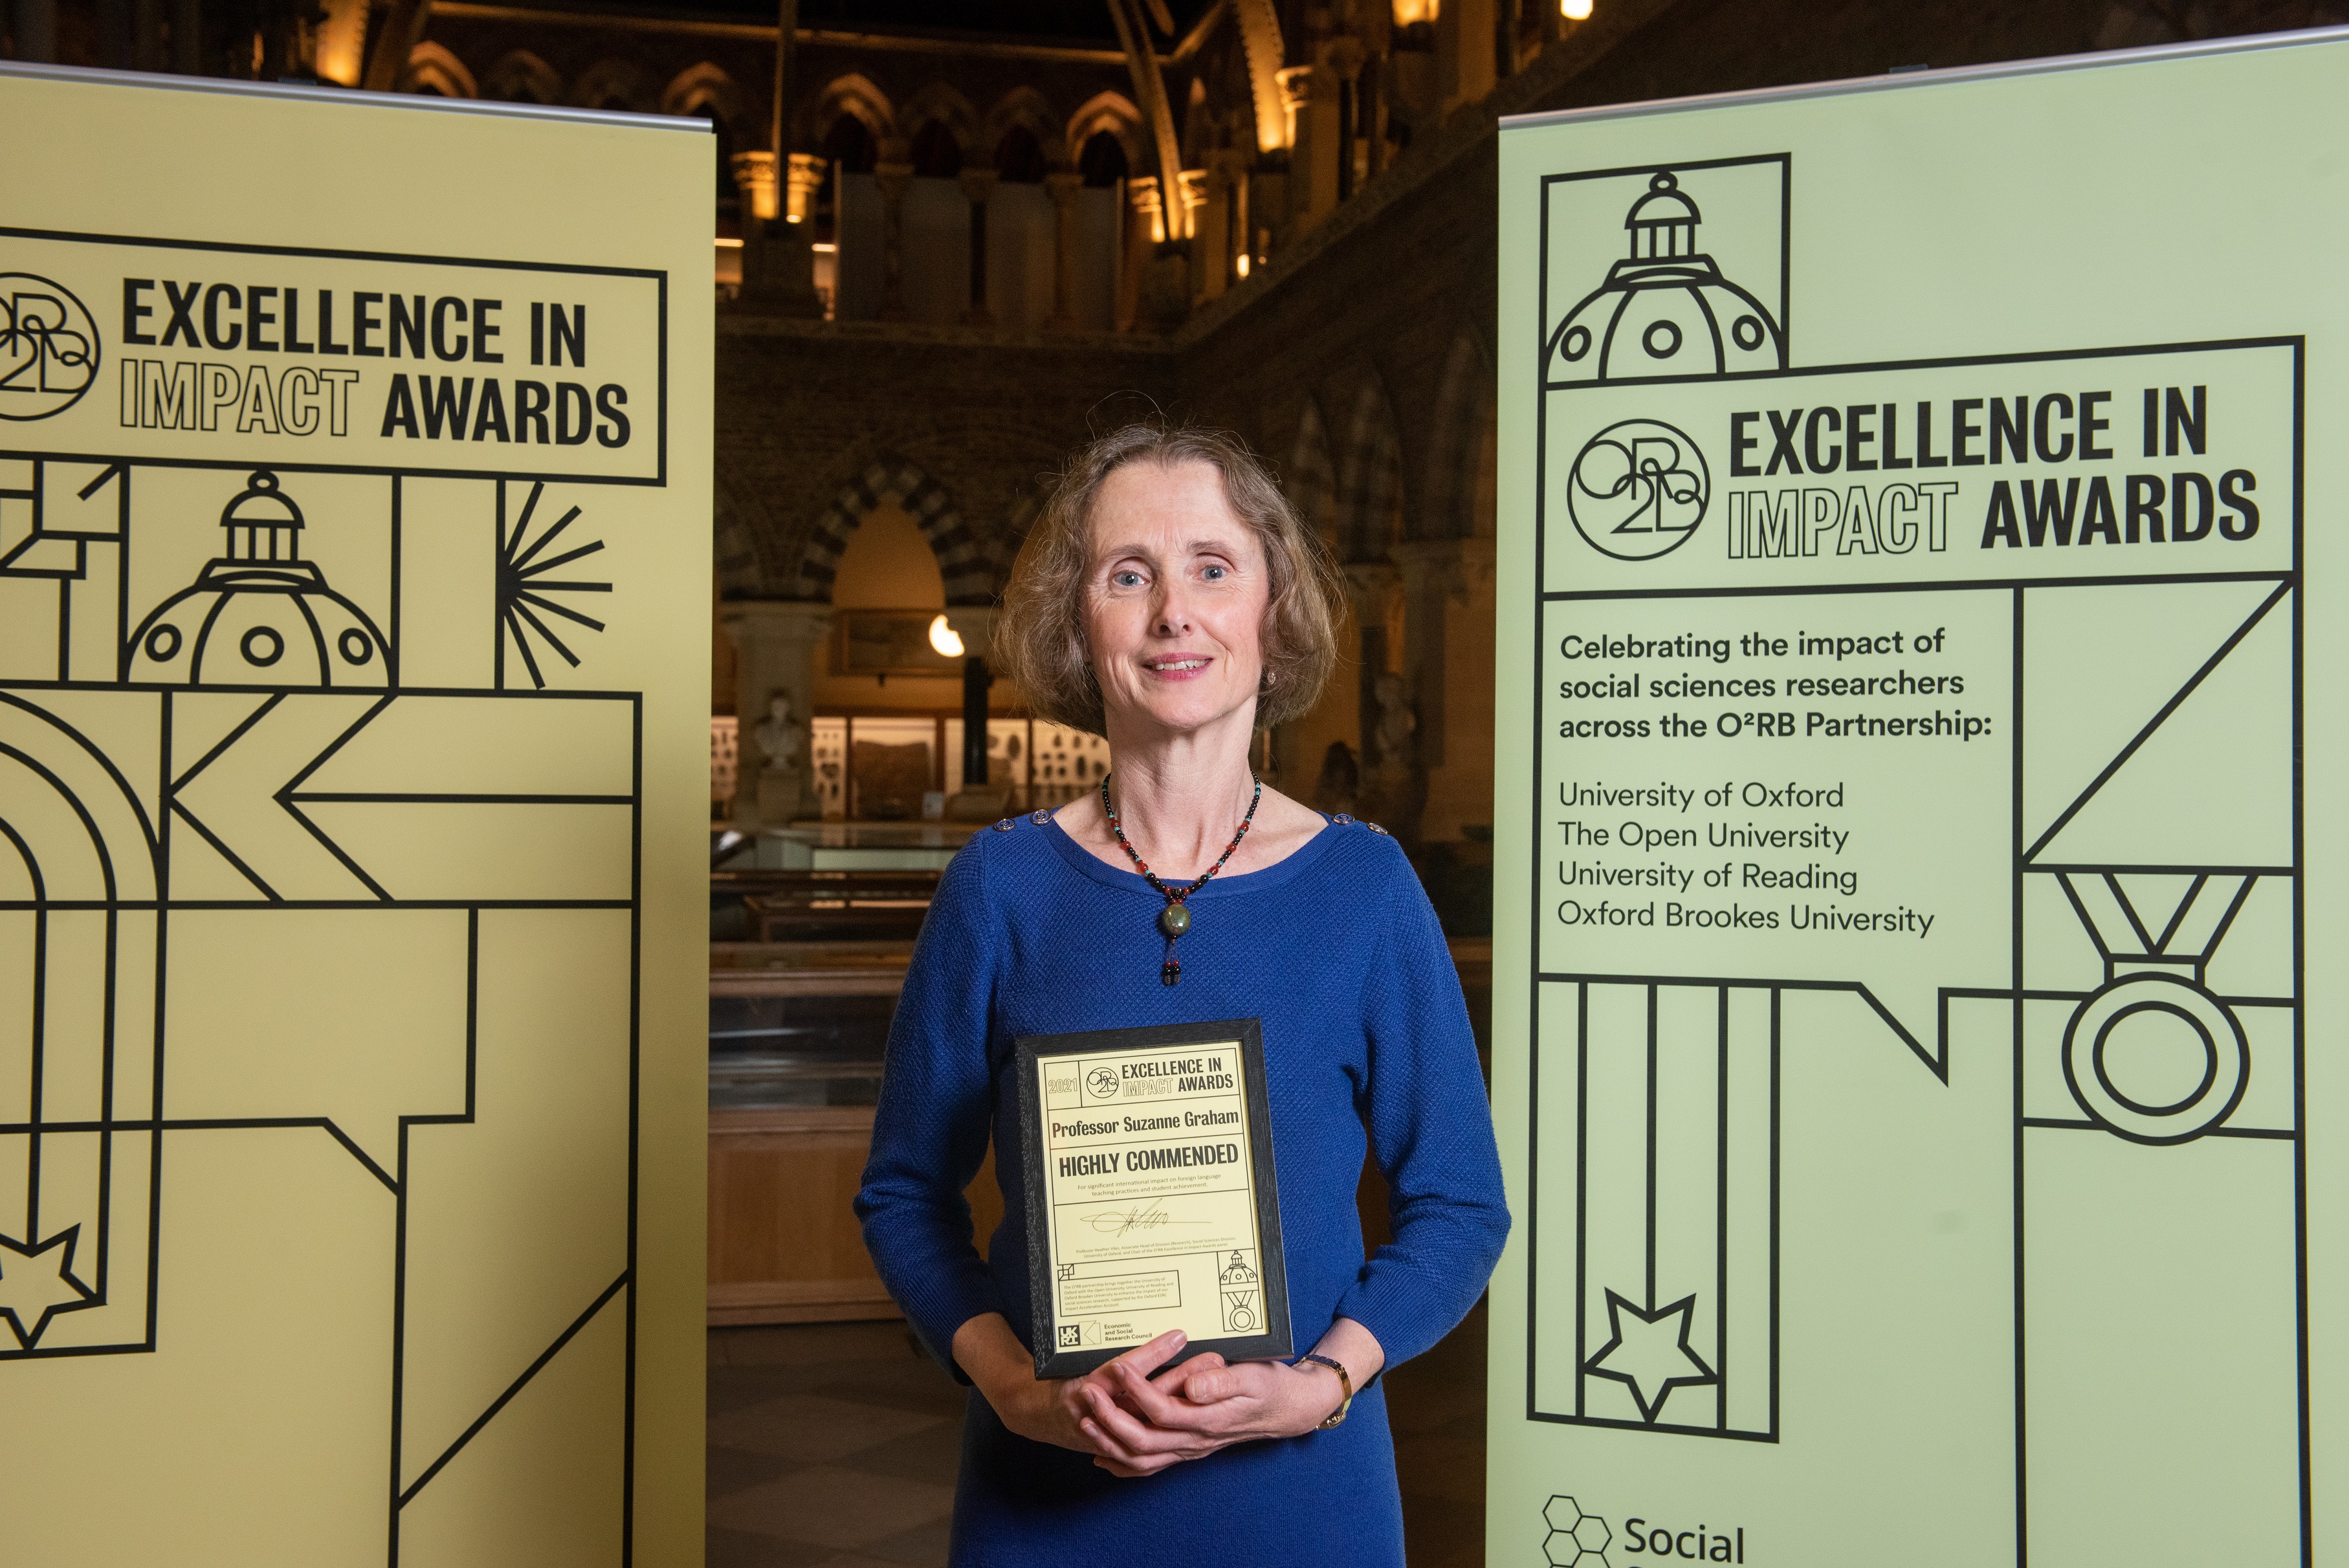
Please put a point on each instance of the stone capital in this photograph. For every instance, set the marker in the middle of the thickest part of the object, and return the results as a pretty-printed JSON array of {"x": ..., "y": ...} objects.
[
  {"x": 1453, "y": 565},
  {"x": 754, "y": 177},
  {"x": 776, "y": 623},
  {"x": 979, "y": 184},
  {"x": 1295, "y": 86},
  {"x": 1063, "y": 186},
  {"x": 1369, "y": 583},
  {"x": 1193, "y": 184},
  {"x": 803, "y": 179}
]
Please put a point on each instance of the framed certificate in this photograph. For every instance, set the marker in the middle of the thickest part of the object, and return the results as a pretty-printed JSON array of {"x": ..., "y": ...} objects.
[{"x": 1151, "y": 1199}]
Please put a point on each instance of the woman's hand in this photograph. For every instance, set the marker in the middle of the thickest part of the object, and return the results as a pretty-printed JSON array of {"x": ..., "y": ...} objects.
[
  {"x": 1137, "y": 1426},
  {"x": 1050, "y": 1410}
]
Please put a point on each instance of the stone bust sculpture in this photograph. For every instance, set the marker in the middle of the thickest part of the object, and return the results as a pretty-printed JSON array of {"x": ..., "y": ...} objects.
[{"x": 780, "y": 737}]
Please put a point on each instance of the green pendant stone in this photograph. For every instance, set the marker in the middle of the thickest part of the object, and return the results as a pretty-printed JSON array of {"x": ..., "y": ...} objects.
[{"x": 1174, "y": 919}]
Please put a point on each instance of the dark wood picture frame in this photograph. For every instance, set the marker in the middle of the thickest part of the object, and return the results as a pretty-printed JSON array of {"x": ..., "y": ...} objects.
[{"x": 1278, "y": 1341}]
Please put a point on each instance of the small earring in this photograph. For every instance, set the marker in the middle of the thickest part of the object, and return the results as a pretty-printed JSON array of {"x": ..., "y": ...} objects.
[{"x": 1264, "y": 682}]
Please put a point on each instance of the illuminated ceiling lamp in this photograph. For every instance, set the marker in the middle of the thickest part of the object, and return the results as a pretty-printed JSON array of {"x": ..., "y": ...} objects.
[
  {"x": 1575, "y": 10},
  {"x": 945, "y": 638}
]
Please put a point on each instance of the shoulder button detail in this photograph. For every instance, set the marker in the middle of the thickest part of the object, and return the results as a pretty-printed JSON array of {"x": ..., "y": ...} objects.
[
  {"x": 1381, "y": 831},
  {"x": 1343, "y": 820},
  {"x": 1004, "y": 826},
  {"x": 1040, "y": 817}
]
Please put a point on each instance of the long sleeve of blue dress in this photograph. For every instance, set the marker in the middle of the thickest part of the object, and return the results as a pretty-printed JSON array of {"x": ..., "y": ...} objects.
[
  {"x": 1367, "y": 1050},
  {"x": 936, "y": 1097}
]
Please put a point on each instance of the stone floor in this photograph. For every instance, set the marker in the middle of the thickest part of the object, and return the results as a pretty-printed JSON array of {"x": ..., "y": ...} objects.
[{"x": 834, "y": 1444}]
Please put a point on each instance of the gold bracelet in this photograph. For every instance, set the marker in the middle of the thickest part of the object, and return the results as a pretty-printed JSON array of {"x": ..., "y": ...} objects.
[{"x": 1345, "y": 1386}]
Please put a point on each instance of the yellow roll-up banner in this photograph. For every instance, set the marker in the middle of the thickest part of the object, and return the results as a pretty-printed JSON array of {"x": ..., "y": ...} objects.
[
  {"x": 354, "y": 607},
  {"x": 1919, "y": 861}
]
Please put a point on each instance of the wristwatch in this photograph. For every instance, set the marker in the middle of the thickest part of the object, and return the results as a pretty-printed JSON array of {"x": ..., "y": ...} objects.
[{"x": 1345, "y": 1386}]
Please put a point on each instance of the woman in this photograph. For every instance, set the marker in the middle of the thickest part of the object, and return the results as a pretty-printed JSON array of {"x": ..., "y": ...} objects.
[{"x": 1169, "y": 599}]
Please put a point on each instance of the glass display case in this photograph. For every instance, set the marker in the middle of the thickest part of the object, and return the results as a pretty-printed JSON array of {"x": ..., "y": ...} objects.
[
  {"x": 801, "y": 1023},
  {"x": 770, "y": 1051}
]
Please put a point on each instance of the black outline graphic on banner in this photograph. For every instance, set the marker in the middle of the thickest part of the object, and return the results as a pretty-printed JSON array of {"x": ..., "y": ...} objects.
[
  {"x": 2152, "y": 952},
  {"x": 658, "y": 479},
  {"x": 112, "y": 1256}
]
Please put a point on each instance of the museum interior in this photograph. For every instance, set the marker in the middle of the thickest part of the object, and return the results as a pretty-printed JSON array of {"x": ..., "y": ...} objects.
[{"x": 950, "y": 239}]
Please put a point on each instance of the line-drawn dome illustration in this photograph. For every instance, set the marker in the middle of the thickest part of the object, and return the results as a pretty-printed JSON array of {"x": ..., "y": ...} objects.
[
  {"x": 260, "y": 615},
  {"x": 1665, "y": 309}
]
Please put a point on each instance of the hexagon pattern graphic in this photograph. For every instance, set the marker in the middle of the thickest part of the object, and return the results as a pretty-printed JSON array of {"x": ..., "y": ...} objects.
[{"x": 1575, "y": 1538}]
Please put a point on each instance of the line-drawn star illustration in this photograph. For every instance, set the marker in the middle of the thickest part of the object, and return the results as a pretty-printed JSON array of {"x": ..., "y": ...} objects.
[
  {"x": 36, "y": 1282},
  {"x": 1650, "y": 1351}
]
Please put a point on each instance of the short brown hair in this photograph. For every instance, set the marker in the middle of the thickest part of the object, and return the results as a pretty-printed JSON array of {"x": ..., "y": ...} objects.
[{"x": 1039, "y": 636}]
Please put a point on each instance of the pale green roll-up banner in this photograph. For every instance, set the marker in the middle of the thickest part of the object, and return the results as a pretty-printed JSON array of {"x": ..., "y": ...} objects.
[
  {"x": 1919, "y": 1060},
  {"x": 354, "y": 544}
]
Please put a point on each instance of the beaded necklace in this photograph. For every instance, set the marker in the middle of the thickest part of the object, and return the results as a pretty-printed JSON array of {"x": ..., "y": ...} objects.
[{"x": 1175, "y": 918}]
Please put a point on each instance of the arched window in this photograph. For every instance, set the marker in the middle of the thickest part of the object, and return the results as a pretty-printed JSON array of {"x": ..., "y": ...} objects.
[
  {"x": 849, "y": 144},
  {"x": 1103, "y": 159},
  {"x": 937, "y": 155},
  {"x": 1019, "y": 156}
]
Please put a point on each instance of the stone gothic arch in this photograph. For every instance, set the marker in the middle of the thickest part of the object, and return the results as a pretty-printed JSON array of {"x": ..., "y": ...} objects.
[
  {"x": 431, "y": 69},
  {"x": 1312, "y": 481},
  {"x": 1461, "y": 435},
  {"x": 851, "y": 95},
  {"x": 937, "y": 101},
  {"x": 612, "y": 82},
  {"x": 521, "y": 76},
  {"x": 1021, "y": 106},
  {"x": 745, "y": 526},
  {"x": 707, "y": 85},
  {"x": 964, "y": 560},
  {"x": 1370, "y": 477},
  {"x": 1111, "y": 111}
]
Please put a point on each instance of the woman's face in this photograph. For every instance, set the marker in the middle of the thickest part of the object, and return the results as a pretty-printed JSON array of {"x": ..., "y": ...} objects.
[{"x": 1174, "y": 598}]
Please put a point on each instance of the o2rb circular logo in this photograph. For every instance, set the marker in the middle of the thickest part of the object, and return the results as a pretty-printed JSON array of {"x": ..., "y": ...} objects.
[
  {"x": 1101, "y": 1082},
  {"x": 48, "y": 347},
  {"x": 1638, "y": 490}
]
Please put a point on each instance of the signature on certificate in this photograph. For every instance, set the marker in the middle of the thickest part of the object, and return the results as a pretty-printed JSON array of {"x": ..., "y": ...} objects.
[{"x": 1124, "y": 1222}]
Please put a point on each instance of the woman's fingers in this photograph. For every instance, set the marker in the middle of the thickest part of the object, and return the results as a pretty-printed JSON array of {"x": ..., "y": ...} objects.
[
  {"x": 1178, "y": 1380},
  {"x": 1181, "y": 1410},
  {"x": 1132, "y": 1435},
  {"x": 1148, "y": 1358}
]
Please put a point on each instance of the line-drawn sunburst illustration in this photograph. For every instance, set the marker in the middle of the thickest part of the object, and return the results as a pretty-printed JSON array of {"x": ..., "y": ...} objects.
[{"x": 524, "y": 583}]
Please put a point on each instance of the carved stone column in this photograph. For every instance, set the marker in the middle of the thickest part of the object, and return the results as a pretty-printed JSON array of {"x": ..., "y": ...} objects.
[
  {"x": 1448, "y": 592},
  {"x": 754, "y": 178},
  {"x": 803, "y": 179},
  {"x": 1211, "y": 243},
  {"x": 1312, "y": 99},
  {"x": 1141, "y": 191},
  {"x": 1390, "y": 705},
  {"x": 1342, "y": 61},
  {"x": 1464, "y": 52},
  {"x": 777, "y": 644},
  {"x": 778, "y": 267},
  {"x": 980, "y": 799},
  {"x": 1063, "y": 186},
  {"x": 894, "y": 175},
  {"x": 979, "y": 185}
]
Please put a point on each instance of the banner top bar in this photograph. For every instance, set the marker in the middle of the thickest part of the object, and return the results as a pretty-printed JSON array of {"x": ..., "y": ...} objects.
[
  {"x": 331, "y": 93},
  {"x": 1910, "y": 79}
]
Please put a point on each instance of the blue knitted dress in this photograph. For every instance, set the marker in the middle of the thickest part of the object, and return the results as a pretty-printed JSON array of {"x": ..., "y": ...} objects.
[{"x": 1336, "y": 950}]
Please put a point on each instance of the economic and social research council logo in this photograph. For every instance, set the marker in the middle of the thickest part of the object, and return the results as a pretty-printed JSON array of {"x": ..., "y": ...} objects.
[
  {"x": 48, "y": 347},
  {"x": 1653, "y": 274}
]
